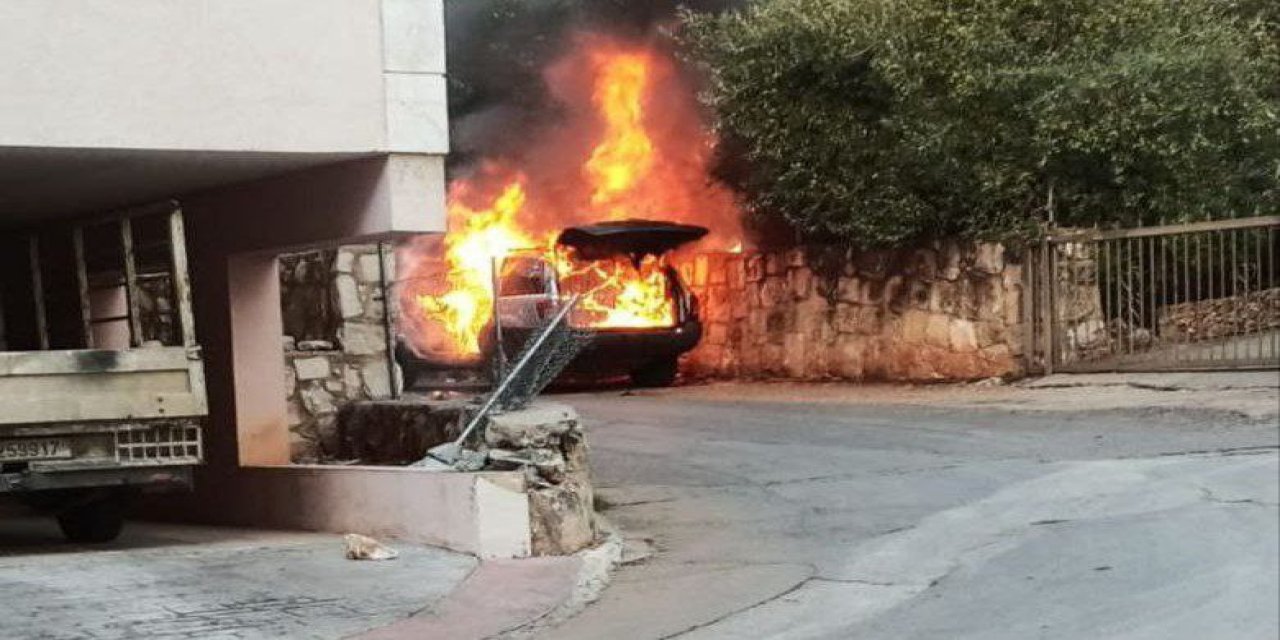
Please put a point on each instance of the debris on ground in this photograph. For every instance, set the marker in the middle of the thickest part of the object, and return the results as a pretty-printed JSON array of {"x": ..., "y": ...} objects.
[
  {"x": 994, "y": 381},
  {"x": 365, "y": 548}
]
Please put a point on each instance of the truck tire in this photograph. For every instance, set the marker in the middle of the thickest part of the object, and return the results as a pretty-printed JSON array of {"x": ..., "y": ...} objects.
[
  {"x": 659, "y": 373},
  {"x": 95, "y": 521}
]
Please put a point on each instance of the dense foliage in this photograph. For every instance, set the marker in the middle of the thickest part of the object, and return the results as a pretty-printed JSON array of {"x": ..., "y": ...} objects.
[{"x": 881, "y": 121}]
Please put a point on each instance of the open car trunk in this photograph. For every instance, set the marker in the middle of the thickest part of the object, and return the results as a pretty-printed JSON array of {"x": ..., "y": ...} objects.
[{"x": 634, "y": 238}]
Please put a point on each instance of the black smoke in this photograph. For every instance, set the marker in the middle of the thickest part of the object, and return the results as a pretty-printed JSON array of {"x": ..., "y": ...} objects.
[{"x": 498, "y": 50}]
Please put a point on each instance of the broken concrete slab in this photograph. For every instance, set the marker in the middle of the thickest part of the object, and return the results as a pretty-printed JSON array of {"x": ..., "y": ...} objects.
[{"x": 541, "y": 424}]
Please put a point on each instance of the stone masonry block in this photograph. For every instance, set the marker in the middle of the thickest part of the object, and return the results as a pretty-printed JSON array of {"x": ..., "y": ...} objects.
[
  {"x": 988, "y": 258},
  {"x": 801, "y": 282},
  {"x": 369, "y": 269},
  {"x": 377, "y": 380},
  {"x": 937, "y": 332},
  {"x": 316, "y": 368},
  {"x": 717, "y": 266},
  {"x": 317, "y": 400},
  {"x": 363, "y": 339},
  {"x": 348, "y": 296},
  {"x": 541, "y": 424},
  {"x": 344, "y": 261},
  {"x": 963, "y": 336},
  {"x": 736, "y": 270},
  {"x": 914, "y": 325},
  {"x": 754, "y": 267},
  {"x": 775, "y": 264}
]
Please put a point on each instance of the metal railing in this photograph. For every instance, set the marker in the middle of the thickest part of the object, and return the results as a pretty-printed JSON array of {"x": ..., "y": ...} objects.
[
  {"x": 1201, "y": 295},
  {"x": 546, "y": 353}
]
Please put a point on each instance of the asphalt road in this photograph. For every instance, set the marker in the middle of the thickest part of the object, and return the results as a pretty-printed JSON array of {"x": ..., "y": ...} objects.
[{"x": 774, "y": 516}]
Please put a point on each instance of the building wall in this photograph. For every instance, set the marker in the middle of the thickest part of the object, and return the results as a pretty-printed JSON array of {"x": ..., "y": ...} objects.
[
  {"x": 943, "y": 312},
  {"x": 232, "y": 75},
  {"x": 235, "y": 235}
]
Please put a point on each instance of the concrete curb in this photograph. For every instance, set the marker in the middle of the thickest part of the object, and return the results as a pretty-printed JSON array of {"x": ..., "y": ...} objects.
[
  {"x": 514, "y": 598},
  {"x": 595, "y": 572}
]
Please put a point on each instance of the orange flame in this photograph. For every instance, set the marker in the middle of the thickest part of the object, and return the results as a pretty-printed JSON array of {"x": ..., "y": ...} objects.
[
  {"x": 626, "y": 153},
  {"x": 635, "y": 169},
  {"x": 467, "y": 307},
  {"x": 619, "y": 295}
]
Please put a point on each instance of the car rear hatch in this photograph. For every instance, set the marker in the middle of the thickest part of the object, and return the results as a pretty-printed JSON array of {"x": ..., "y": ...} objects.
[{"x": 633, "y": 238}]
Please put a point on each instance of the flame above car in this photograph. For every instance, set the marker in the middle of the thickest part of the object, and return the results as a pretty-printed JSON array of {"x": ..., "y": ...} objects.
[{"x": 583, "y": 198}]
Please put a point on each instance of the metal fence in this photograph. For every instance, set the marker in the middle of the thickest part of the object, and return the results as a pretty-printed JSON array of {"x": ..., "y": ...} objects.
[{"x": 1180, "y": 297}]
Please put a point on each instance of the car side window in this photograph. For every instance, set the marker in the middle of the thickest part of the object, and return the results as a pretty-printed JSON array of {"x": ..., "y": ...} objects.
[{"x": 523, "y": 277}]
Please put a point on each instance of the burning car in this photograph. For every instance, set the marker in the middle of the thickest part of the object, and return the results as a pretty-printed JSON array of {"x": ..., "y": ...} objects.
[
  {"x": 574, "y": 213},
  {"x": 632, "y": 300}
]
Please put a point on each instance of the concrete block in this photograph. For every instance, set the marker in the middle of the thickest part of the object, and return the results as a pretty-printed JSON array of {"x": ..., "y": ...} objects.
[
  {"x": 501, "y": 516},
  {"x": 413, "y": 36},
  {"x": 541, "y": 424},
  {"x": 417, "y": 120}
]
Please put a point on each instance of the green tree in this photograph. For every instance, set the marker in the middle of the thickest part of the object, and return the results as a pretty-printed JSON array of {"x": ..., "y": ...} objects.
[{"x": 882, "y": 121}]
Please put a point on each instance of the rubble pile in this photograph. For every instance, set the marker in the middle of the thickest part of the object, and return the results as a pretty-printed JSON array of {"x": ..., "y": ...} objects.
[{"x": 546, "y": 440}]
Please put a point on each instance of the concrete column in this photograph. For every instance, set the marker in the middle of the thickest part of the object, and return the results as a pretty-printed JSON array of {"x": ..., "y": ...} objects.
[{"x": 262, "y": 430}]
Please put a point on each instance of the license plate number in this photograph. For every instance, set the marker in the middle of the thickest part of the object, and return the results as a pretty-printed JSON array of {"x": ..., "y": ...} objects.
[{"x": 35, "y": 449}]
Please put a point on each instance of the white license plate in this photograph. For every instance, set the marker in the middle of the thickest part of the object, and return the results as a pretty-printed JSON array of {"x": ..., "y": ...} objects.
[{"x": 35, "y": 449}]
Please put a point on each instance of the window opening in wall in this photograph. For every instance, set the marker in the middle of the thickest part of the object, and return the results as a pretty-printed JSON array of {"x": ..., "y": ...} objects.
[{"x": 309, "y": 311}]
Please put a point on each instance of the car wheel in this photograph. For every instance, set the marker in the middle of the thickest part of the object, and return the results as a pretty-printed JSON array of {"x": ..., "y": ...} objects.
[
  {"x": 98, "y": 520},
  {"x": 660, "y": 373}
]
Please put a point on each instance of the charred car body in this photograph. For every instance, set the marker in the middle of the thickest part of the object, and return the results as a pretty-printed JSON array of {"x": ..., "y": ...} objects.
[{"x": 531, "y": 285}]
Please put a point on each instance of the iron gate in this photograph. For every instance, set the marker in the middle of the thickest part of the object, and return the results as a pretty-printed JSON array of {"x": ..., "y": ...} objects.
[{"x": 1201, "y": 295}]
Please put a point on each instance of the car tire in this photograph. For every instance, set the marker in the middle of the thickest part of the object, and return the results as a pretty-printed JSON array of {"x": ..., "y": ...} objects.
[
  {"x": 96, "y": 521},
  {"x": 659, "y": 373}
]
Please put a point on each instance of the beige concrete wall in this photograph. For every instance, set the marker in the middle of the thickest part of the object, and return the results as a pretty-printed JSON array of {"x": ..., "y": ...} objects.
[
  {"x": 485, "y": 514},
  {"x": 233, "y": 75},
  {"x": 234, "y": 235}
]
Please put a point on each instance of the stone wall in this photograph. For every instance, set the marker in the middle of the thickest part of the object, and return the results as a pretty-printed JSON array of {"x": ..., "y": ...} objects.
[
  {"x": 335, "y": 299},
  {"x": 948, "y": 311}
]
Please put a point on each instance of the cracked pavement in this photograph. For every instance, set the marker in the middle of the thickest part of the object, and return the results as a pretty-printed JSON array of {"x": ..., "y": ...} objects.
[{"x": 786, "y": 511}]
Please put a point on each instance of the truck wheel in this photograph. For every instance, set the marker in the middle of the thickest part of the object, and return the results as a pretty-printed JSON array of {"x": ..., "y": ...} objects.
[
  {"x": 659, "y": 373},
  {"x": 95, "y": 521}
]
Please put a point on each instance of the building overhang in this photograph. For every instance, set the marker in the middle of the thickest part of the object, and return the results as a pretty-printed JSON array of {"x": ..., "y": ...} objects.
[{"x": 39, "y": 185}]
